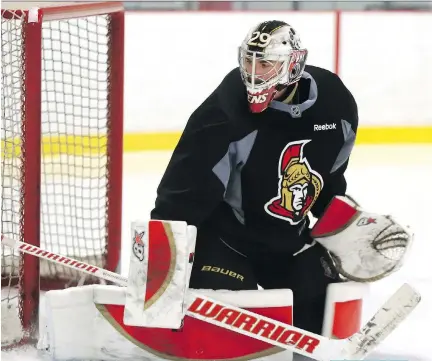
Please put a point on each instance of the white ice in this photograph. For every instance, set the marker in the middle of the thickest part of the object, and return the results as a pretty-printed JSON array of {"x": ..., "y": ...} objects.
[{"x": 393, "y": 180}]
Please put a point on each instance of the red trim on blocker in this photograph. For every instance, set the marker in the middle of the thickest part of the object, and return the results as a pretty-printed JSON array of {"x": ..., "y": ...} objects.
[
  {"x": 198, "y": 340},
  {"x": 347, "y": 318},
  {"x": 161, "y": 260}
]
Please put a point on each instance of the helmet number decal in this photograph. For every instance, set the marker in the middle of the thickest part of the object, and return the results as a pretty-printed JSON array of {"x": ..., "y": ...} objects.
[{"x": 263, "y": 39}]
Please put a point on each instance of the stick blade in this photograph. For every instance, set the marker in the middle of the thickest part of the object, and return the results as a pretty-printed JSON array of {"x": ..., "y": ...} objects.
[{"x": 385, "y": 320}]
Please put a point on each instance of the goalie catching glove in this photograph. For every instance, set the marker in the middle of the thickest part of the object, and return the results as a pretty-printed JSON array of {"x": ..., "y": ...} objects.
[{"x": 365, "y": 247}]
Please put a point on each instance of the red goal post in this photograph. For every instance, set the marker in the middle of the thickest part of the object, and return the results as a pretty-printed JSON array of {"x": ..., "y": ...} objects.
[{"x": 62, "y": 144}]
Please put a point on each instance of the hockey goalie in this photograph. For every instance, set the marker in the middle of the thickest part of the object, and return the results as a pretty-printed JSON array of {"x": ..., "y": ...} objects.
[{"x": 268, "y": 148}]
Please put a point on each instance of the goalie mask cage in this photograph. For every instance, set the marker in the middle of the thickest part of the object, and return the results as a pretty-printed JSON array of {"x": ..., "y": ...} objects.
[{"x": 62, "y": 142}]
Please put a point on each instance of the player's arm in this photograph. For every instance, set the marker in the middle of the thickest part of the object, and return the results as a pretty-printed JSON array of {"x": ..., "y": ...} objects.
[
  {"x": 189, "y": 189},
  {"x": 364, "y": 246},
  {"x": 336, "y": 183}
]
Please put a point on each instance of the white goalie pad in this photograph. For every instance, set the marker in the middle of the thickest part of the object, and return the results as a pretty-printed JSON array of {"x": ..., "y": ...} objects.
[
  {"x": 159, "y": 272},
  {"x": 365, "y": 246},
  {"x": 87, "y": 323}
]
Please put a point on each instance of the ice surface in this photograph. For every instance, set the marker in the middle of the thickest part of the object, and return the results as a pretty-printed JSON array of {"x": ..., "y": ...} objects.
[{"x": 387, "y": 179}]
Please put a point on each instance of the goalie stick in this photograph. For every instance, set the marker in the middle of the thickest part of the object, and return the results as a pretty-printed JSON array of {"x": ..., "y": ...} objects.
[{"x": 288, "y": 337}]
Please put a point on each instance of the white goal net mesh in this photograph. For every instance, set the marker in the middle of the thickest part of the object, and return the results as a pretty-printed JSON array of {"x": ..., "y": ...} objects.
[{"x": 74, "y": 161}]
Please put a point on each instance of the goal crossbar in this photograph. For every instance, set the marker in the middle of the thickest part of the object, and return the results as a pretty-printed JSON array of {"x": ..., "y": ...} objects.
[{"x": 61, "y": 12}]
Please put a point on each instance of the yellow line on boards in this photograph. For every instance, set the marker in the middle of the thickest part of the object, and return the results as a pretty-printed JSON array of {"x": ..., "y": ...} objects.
[{"x": 135, "y": 142}]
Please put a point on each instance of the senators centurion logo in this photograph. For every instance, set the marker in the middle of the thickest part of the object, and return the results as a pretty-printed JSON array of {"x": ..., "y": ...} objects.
[{"x": 299, "y": 185}]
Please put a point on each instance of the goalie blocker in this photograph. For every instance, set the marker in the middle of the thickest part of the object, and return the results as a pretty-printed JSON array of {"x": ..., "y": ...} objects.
[
  {"x": 159, "y": 271},
  {"x": 147, "y": 318}
]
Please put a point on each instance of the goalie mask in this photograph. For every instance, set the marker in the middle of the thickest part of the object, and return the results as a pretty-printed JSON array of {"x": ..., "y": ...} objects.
[{"x": 270, "y": 58}]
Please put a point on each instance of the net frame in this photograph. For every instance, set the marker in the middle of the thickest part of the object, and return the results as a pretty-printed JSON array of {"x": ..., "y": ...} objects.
[{"x": 30, "y": 282}]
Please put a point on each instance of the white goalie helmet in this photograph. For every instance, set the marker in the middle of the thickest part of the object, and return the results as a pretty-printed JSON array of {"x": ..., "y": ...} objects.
[{"x": 270, "y": 57}]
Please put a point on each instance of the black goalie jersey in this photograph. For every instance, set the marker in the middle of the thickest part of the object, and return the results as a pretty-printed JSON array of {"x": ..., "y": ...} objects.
[{"x": 254, "y": 178}]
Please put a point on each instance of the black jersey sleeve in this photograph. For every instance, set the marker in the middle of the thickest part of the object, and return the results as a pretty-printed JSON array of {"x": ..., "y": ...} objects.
[
  {"x": 190, "y": 190},
  {"x": 336, "y": 183}
]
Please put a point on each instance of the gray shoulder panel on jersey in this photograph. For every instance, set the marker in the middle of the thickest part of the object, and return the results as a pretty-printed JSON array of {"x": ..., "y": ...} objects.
[
  {"x": 296, "y": 109},
  {"x": 349, "y": 139},
  {"x": 228, "y": 170}
]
